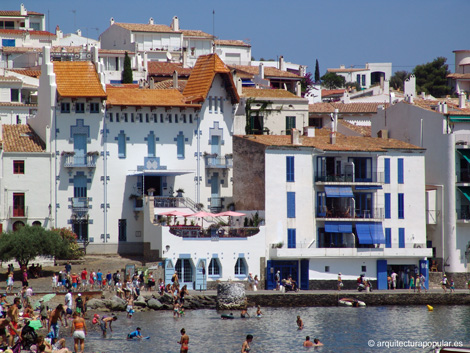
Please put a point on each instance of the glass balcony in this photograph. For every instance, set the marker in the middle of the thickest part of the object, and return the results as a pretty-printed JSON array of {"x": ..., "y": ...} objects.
[{"x": 374, "y": 177}]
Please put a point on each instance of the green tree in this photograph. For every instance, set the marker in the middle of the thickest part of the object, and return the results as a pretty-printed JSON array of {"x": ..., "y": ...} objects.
[
  {"x": 127, "y": 72},
  {"x": 28, "y": 242},
  {"x": 317, "y": 71},
  {"x": 398, "y": 78},
  {"x": 331, "y": 80},
  {"x": 432, "y": 77}
]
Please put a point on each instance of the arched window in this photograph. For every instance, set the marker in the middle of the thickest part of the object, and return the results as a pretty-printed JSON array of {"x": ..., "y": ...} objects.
[
  {"x": 240, "y": 266},
  {"x": 214, "y": 267},
  {"x": 36, "y": 223}
]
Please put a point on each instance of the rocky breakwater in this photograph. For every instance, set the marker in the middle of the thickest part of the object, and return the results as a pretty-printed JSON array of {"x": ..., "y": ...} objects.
[
  {"x": 152, "y": 301},
  {"x": 231, "y": 296}
]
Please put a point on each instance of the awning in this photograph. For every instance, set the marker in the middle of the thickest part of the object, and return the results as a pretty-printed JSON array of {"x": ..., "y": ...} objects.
[
  {"x": 466, "y": 191},
  {"x": 459, "y": 119},
  {"x": 338, "y": 227},
  {"x": 363, "y": 233},
  {"x": 370, "y": 233},
  {"x": 338, "y": 191},
  {"x": 160, "y": 172},
  {"x": 465, "y": 153},
  {"x": 368, "y": 187}
]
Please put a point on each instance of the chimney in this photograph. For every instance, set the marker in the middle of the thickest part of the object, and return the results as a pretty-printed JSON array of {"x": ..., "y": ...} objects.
[
  {"x": 175, "y": 79},
  {"x": 281, "y": 63},
  {"x": 295, "y": 137},
  {"x": 111, "y": 21},
  {"x": 334, "y": 127},
  {"x": 151, "y": 83},
  {"x": 151, "y": 21},
  {"x": 423, "y": 95},
  {"x": 462, "y": 98},
  {"x": 175, "y": 24},
  {"x": 341, "y": 66},
  {"x": 58, "y": 33},
  {"x": 261, "y": 71},
  {"x": 309, "y": 131},
  {"x": 23, "y": 11},
  {"x": 444, "y": 107},
  {"x": 383, "y": 134},
  {"x": 146, "y": 62},
  {"x": 79, "y": 33}
]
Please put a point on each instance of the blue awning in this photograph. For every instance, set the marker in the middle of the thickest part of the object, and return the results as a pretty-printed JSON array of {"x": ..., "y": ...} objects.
[
  {"x": 368, "y": 187},
  {"x": 338, "y": 191},
  {"x": 377, "y": 233},
  {"x": 363, "y": 233},
  {"x": 338, "y": 227}
]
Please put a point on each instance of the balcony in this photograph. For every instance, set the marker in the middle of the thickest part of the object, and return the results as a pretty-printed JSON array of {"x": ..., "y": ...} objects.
[
  {"x": 213, "y": 161},
  {"x": 18, "y": 212},
  {"x": 463, "y": 215},
  {"x": 222, "y": 232},
  {"x": 463, "y": 177},
  {"x": 345, "y": 213},
  {"x": 80, "y": 204},
  {"x": 349, "y": 178},
  {"x": 216, "y": 204},
  {"x": 71, "y": 160}
]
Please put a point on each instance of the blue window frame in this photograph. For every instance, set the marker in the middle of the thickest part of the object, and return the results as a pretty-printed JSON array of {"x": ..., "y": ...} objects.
[
  {"x": 8, "y": 42},
  {"x": 362, "y": 168},
  {"x": 240, "y": 267},
  {"x": 401, "y": 206},
  {"x": 321, "y": 204},
  {"x": 290, "y": 168},
  {"x": 65, "y": 107},
  {"x": 214, "y": 267},
  {"x": 363, "y": 205},
  {"x": 80, "y": 149},
  {"x": 291, "y": 235},
  {"x": 388, "y": 237},
  {"x": 387, "y": 205},
  {"x": 400, "y": 171},
  {"x": 151, "y": 144},
  {"x": 387, "y": 170},
  {"x": 401, "y": 237},
  {"x": 180, "y": 146},
  {"x": 363, "y": 80},
  {"x": 122, "y": 145},
  {"x": 290, "y": 204},
  {"x": 79, "y": 186}
]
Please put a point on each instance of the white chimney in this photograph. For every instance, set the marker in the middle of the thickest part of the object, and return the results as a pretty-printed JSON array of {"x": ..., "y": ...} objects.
[
  {"x": 151, "y": 21},
  {"x": 309, "y": 131},
  {"x": 175, "y": 24},
  {"x": 23, "y": 11},
  {"x": 79, "y": 33},
  {"x": 444, "y": 107},
  {"x": 462, "y": 98},
  {"x": 175, "y": 79},
  {"x": 146, "y": 62},
  {"x": 439, "y": 107},
  {"x": 334, "y": 126},
  {"x": 282, "y": 67},
  {"x": 346, "y": 98},
  {"x": 423, "y": 95},
  {"x": 295, "y": 137},
  {"x": 58, "y": 33},
  {"x": 261, "y": 71},
  {"x": 111, "y": 21}
]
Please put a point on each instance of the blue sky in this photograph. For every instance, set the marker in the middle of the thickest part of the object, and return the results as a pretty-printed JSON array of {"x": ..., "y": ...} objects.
[{"x": 349, "y": 32}]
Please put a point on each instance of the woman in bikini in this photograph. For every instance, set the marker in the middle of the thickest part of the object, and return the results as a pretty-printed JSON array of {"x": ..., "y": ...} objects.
[
  {"x": 184, "y": 341},
  {"x": 246, "y": 345},
  {"x": 79, "y": 332}
]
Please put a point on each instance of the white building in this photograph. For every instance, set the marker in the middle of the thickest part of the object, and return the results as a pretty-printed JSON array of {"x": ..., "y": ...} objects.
[
  {"x": 444, "y": 130},
  {"x": 461, "y": 76},
  {"x": 233, "y": 52},
  {"x": 351, "y": 205},
  {"x": 370, "y": 75}
]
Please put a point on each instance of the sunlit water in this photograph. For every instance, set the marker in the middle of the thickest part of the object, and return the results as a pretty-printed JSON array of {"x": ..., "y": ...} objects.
[{"x": 341, "y": 329}]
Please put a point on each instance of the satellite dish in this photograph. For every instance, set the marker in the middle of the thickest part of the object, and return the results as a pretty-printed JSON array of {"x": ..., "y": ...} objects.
[
  {"x": 218, "y": 52},
  {"x": 169, "y": 56}
]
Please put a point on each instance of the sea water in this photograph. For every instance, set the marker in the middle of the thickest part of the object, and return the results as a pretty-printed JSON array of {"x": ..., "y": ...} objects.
[{"x": 340, "y": 329}]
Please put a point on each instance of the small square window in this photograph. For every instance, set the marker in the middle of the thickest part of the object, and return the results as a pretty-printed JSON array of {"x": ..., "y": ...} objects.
[
  {"x": 94, "y": 108},
  {"x": 65, "y": 107},
  {"x": 363, "y": 268},
  {"x": 169, "y": 118},
  {"x": 327, "y": 268},
  {"x": 18, "y": 167},
  {"x": 79, "y": 108}
]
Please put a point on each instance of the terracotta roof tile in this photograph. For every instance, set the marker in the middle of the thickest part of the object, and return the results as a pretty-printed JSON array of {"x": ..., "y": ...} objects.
[
  {"x": 115, "y": 51},
  {"x": 9, "y": 79},
  {"x": 77, "y": 79},
  {"x": 343, "y": 143},
  {"x": 459, "y": 76},
  {"x": 21, "y": 138},
  {"x": 452, "y": 108},
  {"x": 331, "y": 92},
  {"x": 195, "y": 33},
  {"x": 27, "y": 72},
  {"x": 142, "y": 27},
  {"x": 346, "y": 70},
  {"x": 18, "y": 13},
  {"x": 159, "y": 68},
  {"x": 202, "y": 76},
  {"x": 146, "y": 97},
  {"x": 54, "y": 49},
  {"x": 268, "y": 93},
  {"x": 345, "y": 108},
  {"x": 168, "y": 84},
  {"x": 363, "y": 130},
  {"x": 235, "y": 43},
  {"x": 17, "y": 104},
  {"x": 23, "y": 31},
  {"x": 269, "y": 72},
  {"x": 122, "y": 85}
]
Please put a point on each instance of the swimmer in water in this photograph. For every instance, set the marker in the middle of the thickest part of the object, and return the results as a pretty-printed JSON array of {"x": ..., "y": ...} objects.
[
  {"x": 184, "y": 341},
  {"x": 135, "y": 334},
  {"x": 104, "y": 324},
  {"x": 244, "y": 314},
  {"x": 258, "y": 311},
  {"x": 308, "y": 343},
  {"x": 246, "y": 345},
  {"x": 317, "y": 343},
  {"x": 300, "y": 323}
]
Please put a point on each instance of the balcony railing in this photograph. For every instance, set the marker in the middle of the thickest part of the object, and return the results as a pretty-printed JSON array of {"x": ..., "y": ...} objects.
[
  {"x": 218, "y": 162},
  {"x": 375, "y": 177},
  {"x": 18, "y": 212},
  {"x": 80, "y": 204},
  {"x": 215, "y": 204},
  {"x": 222, "y": 232},
  {"x": 77, "y": 161},
  {"x": 374, "y": 213}
]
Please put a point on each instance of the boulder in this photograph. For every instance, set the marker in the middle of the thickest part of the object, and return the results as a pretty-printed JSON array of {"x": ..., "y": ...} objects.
[
  {"x": 154, "y": 304},
  {"x": 165, "y": 299},
  {"x": 116, "y": 303},
  {"x": 140, "y": 301},
  {"x": 96, "y": 303},
  {"x": 231, "y": 296}
]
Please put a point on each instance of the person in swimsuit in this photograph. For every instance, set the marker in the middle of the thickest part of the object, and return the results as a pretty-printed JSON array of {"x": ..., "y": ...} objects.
[
  {"x": 300, "y": 323},
  {"x": 317, "y": 343},
  {"x": 13, "y": 314},
  {"x": 246, "y": 345},
  {"x": 78, "y": 329},
  {"x": 54, "y": 318},
  {"x": 308, "y": 343},
  {"x": 135, "y": 334},
  {"x": 244, "y": 314},
  {"x": 4, "y": 324},
  {"x": 104, "y": 323},
  {"x": 184, "y": 341},
  {"x": 258, "y": 312}
]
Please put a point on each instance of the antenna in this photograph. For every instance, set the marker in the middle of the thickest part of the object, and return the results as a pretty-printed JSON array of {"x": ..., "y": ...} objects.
[
  {"x": 213, "y": 30},
  {"x": 74, "y": 19}
]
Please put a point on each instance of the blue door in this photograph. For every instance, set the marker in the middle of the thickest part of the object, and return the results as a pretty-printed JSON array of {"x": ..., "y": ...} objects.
[
  {"x": 216, "y": 203},
  {"x": 382, "y": 274},
  {"x": 291, "y": 238},
  {"x": 79, "y": 148},
  {"x": 79, "y": 186},
  {"x": 287, "y": 268},
  {"x": 304, "y": 278},
  {"x": 201, "y": 279},
  {"x": 169, "y": 271},
  {"x": 424, "y": 269}
]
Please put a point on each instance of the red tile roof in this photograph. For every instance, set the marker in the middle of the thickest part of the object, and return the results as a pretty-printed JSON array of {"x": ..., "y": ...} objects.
[
  {"x": 345, "y": 108},
  {"x": 77, "y": 79},
  {"x": 18, "y": 13},
  {"x": 235, "y": 43},
  {"x": 459, "y": 76},
  {"x": 9, "y": 79},
  {"x": 269, "y": 72},
  {"x": 115, "y": 51},
  {"x": 363, "y": 130},
  {"x": 159, "y": 68},
  {"x": 202, "y": 76},
  {"x": 195, "y": 33},
  {"x": 142, "y": 27},
  {"x": 343, "y": 143},
  {"x": 145, "y": 97},
  {"x": 269, "y": 93},
  {"x": 168, "y": 84},
  {"x": 331, "y": 92},
  {"x": 21, "y": 138},
  {"x": 22, "y": 32},
  {"x": 27, "y": 72}
]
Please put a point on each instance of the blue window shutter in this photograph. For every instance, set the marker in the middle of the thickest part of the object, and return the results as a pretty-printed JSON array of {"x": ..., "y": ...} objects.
[
  {"x": 400, "y": 171},
  {"x": 388, "y": 237},
  {"x": 387, "y": 205},
  {"x": 291, "y": 233},
  {"x": 401, "y": 206},
  {"x": 291, "y": 205},
  {"x": 289, "y": 168},
  {"x": 401, "y": 237},
  {"x": 387, "y": 170}
]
